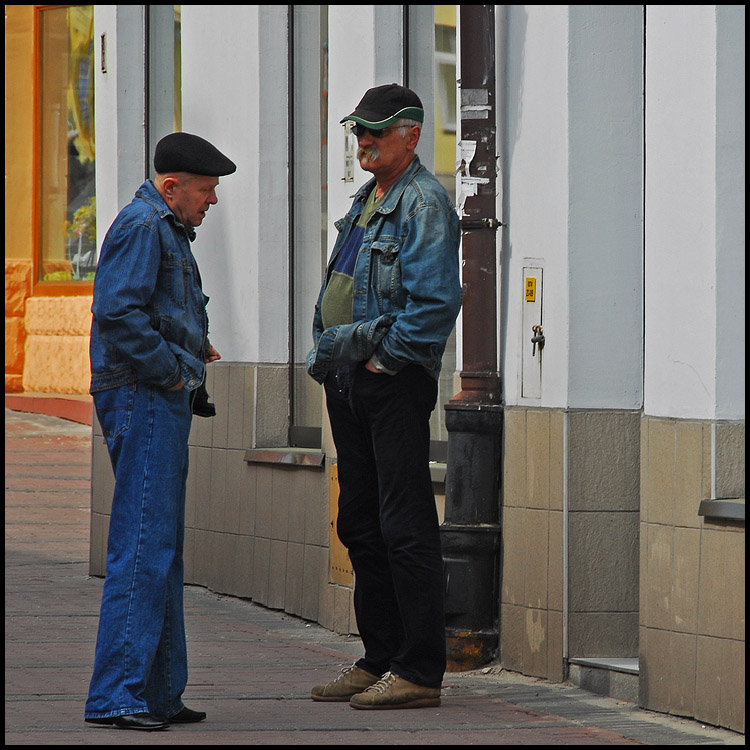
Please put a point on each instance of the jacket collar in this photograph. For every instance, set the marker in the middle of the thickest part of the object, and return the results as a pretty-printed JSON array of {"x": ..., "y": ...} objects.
[
  {"x": 392, "y": 197},
  {"x": 148, "y": 192}
]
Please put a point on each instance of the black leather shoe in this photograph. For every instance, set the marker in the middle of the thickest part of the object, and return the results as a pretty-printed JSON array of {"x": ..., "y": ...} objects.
[
  {"x": 106, "y": 720},
  {"x": 187, "y": 716},
  {"x": 139, "y": 721}
]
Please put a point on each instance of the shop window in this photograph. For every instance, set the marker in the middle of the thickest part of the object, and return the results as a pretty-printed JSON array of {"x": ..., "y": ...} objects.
[{"x": 66, "y": 153}]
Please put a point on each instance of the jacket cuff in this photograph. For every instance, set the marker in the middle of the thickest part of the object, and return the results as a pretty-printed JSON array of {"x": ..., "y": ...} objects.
[
  {"x": 379, "y": 366},
  {"x": 175, "y": 379}
]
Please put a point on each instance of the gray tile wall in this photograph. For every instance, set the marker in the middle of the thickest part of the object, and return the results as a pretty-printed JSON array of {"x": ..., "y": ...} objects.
[
  {"x": 647, "y": 576},
  {"x": 692, "y": 570},
  {"x": 602, "y": 546},
  {"x": 253, "y": 530},
  {"x": 603, "y": 549},
  {"x": 531, "y": 597}
]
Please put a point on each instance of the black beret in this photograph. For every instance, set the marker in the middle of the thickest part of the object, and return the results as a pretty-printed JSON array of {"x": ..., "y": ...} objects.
[{"x": 184, "y": 152}]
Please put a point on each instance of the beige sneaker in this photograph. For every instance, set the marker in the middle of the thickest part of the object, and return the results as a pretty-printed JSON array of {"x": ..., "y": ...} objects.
[
  {"x": 351, "y": 681},
  {"x": 393, "y": 691}
]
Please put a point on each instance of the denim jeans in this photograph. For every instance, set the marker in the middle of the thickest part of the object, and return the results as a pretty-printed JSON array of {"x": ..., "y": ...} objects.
[
  {"x": 388, "y": 521},
  {"x": 141, "y": 656}
]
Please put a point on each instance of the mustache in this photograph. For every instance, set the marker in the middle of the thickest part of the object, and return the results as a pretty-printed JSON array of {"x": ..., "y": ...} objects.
[{"x": 368, "y": 152}]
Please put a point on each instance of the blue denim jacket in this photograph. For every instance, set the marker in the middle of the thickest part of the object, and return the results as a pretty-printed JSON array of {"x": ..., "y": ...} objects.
[
  {"x": 149, "y": 312},
  {"x": 407, "y": 290}
]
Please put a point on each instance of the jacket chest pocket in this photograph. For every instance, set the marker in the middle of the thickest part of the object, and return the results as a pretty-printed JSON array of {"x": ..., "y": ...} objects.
[
  {"x": 175, "y": 274},
  {"x": 386, "y": 268}
]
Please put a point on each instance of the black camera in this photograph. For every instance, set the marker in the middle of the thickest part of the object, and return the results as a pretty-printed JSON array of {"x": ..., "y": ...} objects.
[{"x": 202, "y": 407}]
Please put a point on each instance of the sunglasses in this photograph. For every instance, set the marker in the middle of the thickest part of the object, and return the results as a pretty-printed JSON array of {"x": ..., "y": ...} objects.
[{"x": 360, "y": 130}]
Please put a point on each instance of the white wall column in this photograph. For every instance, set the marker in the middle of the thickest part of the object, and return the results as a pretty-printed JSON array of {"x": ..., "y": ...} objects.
[
  {"x": 695, "y": 261},
  {"x": 238, "y": 100},
  {"x": 120, "y": 107},
  {"x": 573, "y": 161}
]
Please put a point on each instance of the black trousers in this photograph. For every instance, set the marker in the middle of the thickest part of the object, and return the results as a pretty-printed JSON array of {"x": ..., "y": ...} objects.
[{"x": 388, "y": 521}]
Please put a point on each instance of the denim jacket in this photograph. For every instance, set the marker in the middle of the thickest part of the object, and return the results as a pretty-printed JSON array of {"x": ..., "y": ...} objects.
[
  {"x": 149, "y": 312},
  {"x": 407, "y": 291}
]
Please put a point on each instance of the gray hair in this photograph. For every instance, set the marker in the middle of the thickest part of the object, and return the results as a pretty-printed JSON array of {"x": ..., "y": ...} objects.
[{"x": 403, "y": 123}]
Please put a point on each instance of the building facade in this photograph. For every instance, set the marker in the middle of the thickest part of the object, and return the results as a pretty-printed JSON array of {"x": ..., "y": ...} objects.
[{"x": 615, "y": 290}]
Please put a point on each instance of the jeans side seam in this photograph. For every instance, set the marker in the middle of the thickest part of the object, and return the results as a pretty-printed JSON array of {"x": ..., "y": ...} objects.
[{"x": 136, "y": 563}]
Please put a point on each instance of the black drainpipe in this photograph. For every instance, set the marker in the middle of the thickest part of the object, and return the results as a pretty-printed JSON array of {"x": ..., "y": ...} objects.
[{"x": 474, "y": 418}]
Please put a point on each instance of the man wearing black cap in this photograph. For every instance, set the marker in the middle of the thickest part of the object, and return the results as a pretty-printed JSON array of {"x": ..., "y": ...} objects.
[
  {"x": 388, "y": 304},
  {"x": 149, "y": 349}
]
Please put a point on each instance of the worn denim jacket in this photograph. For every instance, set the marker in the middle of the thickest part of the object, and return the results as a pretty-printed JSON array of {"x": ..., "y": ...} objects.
[
  {"x": 149, "y": 312},
  {"x": 407, "y": 290}
]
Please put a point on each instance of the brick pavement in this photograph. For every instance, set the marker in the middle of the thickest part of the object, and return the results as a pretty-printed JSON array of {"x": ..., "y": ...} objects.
[{"x": 250, "y": 668}]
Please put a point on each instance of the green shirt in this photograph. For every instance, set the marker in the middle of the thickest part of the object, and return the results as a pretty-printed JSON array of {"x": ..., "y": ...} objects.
[{"x": 336, "y": 305}]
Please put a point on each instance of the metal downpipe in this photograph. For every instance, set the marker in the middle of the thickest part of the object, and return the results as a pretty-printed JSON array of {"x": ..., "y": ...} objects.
[{"x": 474, "y": 417}]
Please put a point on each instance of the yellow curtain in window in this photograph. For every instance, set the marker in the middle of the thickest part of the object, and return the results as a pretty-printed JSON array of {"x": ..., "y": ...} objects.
[{"x": 81, "y": 81}]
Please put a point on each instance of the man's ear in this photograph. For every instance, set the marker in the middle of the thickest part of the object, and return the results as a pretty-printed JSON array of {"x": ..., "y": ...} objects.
[
  {"x": 170, "y": 183},
  {"x": 413, "y": 137}
]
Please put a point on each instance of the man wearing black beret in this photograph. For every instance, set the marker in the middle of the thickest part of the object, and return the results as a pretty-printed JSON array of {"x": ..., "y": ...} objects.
[{"x": 149, "y": 349}]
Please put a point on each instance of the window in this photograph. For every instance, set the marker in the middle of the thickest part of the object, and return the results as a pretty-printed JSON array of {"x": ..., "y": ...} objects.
[
  {"x": 309, "y": 179},
  {"x": 66, "y": 204},
  {"x": 444, "y": 67},
  {"x": 445, "y": 71}
]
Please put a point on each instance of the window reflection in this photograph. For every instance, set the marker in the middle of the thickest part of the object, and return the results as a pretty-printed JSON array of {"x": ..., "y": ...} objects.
[
  {"x": 67, "y": 145},
  {"x": 444, "y": 66}
]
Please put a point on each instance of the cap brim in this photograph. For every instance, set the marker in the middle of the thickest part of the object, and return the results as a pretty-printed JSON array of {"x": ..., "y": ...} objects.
[{"x": 371, "y": 120}]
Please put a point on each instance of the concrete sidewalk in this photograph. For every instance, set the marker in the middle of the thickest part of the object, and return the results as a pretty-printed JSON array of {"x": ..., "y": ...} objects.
[{"x": 251, "y": 668}]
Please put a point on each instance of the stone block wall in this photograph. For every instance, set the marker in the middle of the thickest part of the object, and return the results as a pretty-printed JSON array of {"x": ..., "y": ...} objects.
[
  {"x": 56, "y": 354},
  {"x": 46, "y": 338},
  {"x": 17, "y": 291}
]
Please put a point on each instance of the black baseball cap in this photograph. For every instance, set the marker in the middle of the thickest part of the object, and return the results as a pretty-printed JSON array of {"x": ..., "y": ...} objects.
[
  {"x": 383, "y": 105},
  {"x": 185, "y": 152}
]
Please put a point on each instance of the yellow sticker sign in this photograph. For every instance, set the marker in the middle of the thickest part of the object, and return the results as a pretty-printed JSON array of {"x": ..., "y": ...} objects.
[{"x": 530, "y": 289}]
